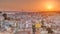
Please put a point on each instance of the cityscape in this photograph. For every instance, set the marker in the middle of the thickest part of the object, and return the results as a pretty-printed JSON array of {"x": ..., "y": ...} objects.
[{"x": 22, "y": 22}]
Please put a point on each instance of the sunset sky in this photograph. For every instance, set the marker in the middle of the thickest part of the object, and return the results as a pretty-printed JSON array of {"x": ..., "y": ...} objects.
[{"x": 33, "y": 5}]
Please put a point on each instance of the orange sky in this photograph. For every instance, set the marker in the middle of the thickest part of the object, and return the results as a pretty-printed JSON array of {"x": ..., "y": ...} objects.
[{"x": 27, "y": 5}]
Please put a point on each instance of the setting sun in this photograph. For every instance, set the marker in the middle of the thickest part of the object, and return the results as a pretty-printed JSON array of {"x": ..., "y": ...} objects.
[{"x": 49, "y": 7}]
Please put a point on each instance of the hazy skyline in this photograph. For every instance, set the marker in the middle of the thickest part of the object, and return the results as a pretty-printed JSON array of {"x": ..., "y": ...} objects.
[{"x": 27, "y": 5}]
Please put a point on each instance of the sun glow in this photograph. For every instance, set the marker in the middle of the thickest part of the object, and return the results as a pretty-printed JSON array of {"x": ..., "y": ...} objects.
[{"x": 49, "y": 7}]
